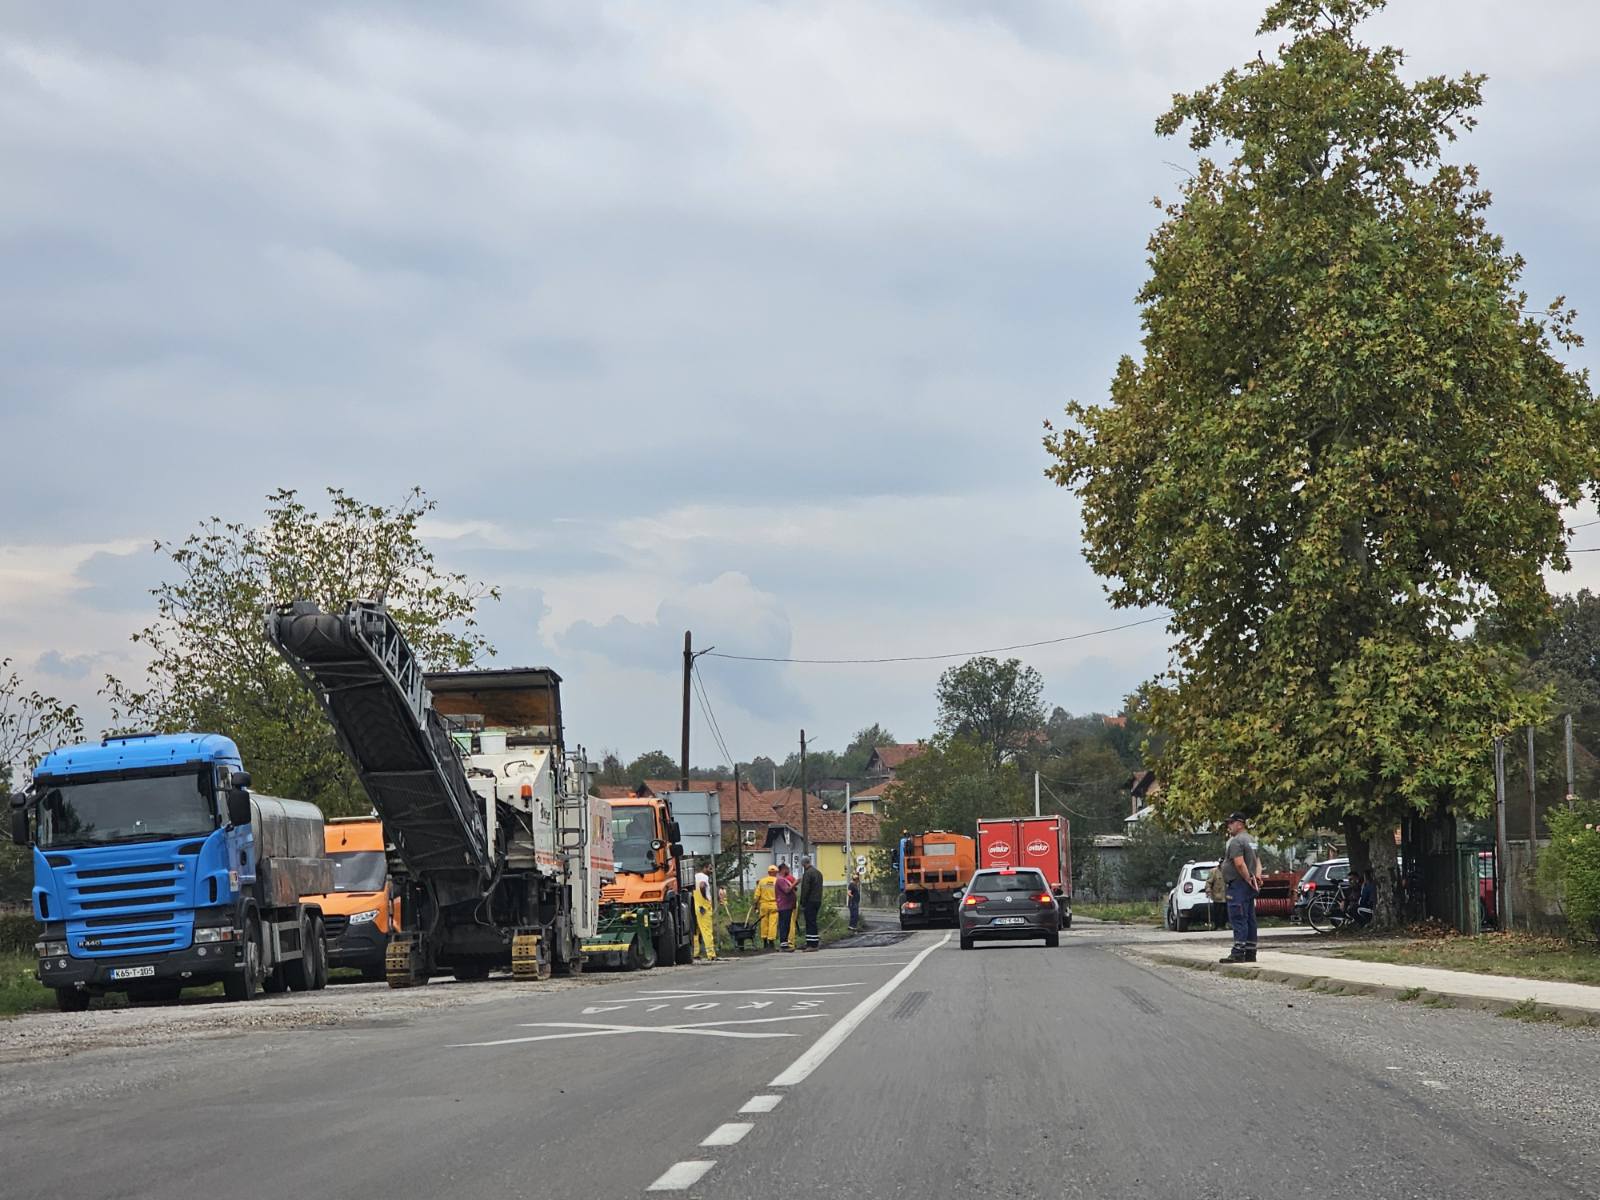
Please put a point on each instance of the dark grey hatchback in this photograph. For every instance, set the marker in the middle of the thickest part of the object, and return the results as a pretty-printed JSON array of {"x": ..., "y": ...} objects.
[{"x": 1009, "y": 902}]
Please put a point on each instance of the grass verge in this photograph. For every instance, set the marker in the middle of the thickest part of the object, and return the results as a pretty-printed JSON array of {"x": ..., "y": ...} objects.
[
  {"x": 20, "y": 992},
  {"x": 1131, "y": 912},
  {"x": 1518, "y": 955}
]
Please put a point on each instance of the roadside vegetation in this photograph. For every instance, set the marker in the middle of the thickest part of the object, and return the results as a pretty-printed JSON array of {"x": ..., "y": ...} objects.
[
  {"x": 1519, "y": 955},
  {"x": 20, "y": 992},
  {"x": 1127, "y": 912}
]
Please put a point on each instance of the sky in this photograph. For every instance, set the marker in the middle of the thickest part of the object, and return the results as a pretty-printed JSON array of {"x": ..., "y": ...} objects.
[{"x": 738, "y": 317}]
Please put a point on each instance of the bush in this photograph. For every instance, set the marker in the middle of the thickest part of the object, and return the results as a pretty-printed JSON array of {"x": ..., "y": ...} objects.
[
  {"x": 1569, "y": 870},
  {"x": 18, "y": 932}
]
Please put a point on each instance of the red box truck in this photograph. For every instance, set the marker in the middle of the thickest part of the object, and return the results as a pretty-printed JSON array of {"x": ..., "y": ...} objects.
[{"x": 1041, "y": 842}]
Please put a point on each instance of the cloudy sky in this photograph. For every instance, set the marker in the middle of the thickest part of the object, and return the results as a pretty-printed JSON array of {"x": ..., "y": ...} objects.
[{"x": 734, "y": 316}]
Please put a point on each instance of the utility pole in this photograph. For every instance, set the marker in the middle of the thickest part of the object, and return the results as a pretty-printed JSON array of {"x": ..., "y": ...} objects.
[
  {"x": 738, "y": 829},
  {"x": 849, "y": 850},
  {"x": 1036, "y": 793},
  {"x": 1533, "y": 804},
  {"x": 688, "y": 669},
  {"x": 1571, "y": 795},
  {"x": 1502, "y": 902},
  {"x": 805, "y": 812}
]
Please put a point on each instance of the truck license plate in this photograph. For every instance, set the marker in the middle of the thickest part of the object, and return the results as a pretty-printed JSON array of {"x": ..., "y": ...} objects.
[
  {"x": 132, "y": 972},
  {"x": 1010, "y": 921}
]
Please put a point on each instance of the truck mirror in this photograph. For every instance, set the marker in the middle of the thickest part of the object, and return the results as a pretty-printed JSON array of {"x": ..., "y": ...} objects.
[
  {"x": 19, "y": 820},
  {"x": 241, "y": 779},
  {"x": 674, "y": 834},
  {"x": 677, "y": 849},
  {"x": 239, "y": 807}
]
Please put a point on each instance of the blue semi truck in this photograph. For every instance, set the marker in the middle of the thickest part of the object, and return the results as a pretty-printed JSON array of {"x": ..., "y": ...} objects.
[{"x": 156, "y": 869}]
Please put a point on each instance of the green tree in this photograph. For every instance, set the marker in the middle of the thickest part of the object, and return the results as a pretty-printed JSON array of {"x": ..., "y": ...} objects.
[
  {"x": 994, "y": 703},
  {"x": 949, "y": 786},
  {"x": 31, "y": 723},
  {"x": 1346, "y": 439},
  {"x": 652, "y": 764},
  {"x": 211, "y": 667},
  {"x": 1153, "y": 855},
  {"x": 853, "y": 762}
]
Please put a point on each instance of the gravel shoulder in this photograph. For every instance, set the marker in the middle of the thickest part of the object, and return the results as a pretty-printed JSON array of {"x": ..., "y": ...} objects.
[
  {"x": 1531, "y": 1081},
  {"x": 53, "y": 1035}
]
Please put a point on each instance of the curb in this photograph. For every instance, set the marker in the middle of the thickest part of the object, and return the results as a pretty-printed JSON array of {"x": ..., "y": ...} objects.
[{"x": 1425, "y": 997}]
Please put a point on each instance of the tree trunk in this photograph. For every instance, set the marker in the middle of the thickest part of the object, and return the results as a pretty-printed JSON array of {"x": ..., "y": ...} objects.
[{"x": 1383, "y": 861}]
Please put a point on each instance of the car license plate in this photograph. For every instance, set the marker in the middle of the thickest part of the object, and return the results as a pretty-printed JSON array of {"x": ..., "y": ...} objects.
[
  {"x": 1010, "y": 921},
  {"x": 132, "y": 972}
]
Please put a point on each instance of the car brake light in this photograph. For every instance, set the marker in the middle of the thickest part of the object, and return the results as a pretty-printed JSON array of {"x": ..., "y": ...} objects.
[
  {"x": 1008, "y": 870},
  {"x": 1187, "y": 888},
  {"x": 974, "y": 901},
  {"x": 1310, "y": 887},
  {"x": 1046, "y": 898}
]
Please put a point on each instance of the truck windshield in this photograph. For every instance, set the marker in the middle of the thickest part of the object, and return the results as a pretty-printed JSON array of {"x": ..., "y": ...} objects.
[
  {"x": 140, "y": 808},
  {"x": 633, "y": 828},
  {"x": 359, "y": 871}
]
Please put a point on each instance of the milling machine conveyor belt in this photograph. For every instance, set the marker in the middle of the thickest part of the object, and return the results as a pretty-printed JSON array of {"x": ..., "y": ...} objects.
[{"x": 371, "y": 687}]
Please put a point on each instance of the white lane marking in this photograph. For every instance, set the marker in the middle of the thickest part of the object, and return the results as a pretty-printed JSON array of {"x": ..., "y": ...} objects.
[
  {"x": 829, "y": 966},
  {"x": 756, "y": 1004},
  {"x": 681, "y": 1175},
  {"x": 825, "y": 1045},
  {"x": 702, "y": 1006},
  {"x": 807, "y": 989},
  {"x": 761, "y": 1104},
  {"x": 600, "y": 1008},
  {"x": 729, "y": 1134},
  {"x": 586, "y": 1029}
]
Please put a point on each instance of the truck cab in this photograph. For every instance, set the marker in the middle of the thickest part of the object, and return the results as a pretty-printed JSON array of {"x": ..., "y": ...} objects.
[
  {"x": 645, "y": 916},
  {"x": 155, "y": 869}
]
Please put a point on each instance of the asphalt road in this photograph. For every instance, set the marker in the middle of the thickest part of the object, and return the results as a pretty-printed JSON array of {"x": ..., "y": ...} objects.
[{"x": 910, "y": 1069}]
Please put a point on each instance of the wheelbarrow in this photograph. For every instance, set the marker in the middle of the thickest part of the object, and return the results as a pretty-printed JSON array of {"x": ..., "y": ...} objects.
[{"x": 744, "y": 933}]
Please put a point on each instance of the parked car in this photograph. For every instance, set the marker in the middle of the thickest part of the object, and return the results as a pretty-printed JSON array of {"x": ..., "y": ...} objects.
[
  {"x": 1009, "y": 902},
  {"x": 1326, "y": 874},
  {"x": 1187, "y": 903}
]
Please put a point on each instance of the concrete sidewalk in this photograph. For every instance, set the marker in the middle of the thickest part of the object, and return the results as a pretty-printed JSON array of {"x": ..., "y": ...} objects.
[{"x": 1494, "y": 993}]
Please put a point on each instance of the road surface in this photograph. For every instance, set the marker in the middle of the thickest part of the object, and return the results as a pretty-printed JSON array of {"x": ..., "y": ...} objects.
[{"x": 902, "y": 1069}]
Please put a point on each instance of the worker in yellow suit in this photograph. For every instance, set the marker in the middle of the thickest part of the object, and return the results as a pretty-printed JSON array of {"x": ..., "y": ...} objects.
[
  {"x": 767, "y": 907},
  {"x": 705, "y": 933}
]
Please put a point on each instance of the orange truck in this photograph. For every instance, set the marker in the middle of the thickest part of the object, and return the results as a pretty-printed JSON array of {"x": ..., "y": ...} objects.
[
  {"x": 933, "y": 868},
  {"x": 645, "y": 916},
  {"x": 363, "y": 908}
]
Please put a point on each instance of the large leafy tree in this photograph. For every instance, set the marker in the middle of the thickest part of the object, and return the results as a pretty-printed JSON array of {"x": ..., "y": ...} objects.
[
  {"x": 211, "y": 667},
  {"x": 952, "y": 783},
  {"x": 994, "y": 703},
  {"x": 1346, "y": 439}
]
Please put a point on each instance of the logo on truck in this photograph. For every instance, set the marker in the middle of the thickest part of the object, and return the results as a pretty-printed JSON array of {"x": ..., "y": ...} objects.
[
  {"x": 999, "y": 849},
  {"x": 1038, "y": 846}
]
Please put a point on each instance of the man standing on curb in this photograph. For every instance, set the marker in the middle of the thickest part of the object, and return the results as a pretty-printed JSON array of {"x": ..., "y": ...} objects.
[
  {"x": 811, "y": 901},
  {"x": 1241, "y": 871}
]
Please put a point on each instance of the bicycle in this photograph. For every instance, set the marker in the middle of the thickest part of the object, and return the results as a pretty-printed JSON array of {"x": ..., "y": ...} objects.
[{"x": 1330, "y": 911}]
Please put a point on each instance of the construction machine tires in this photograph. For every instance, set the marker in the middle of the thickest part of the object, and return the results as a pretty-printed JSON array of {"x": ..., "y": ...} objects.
[
  {"x": 642, "y": 952},
  {"x": 683, "y": 941},
  {"x": 404, "y": 962},
  {"x": 530, "y": 957},
  {"x": 664, "y": 950},
  {"x": 246, "y": 985}
]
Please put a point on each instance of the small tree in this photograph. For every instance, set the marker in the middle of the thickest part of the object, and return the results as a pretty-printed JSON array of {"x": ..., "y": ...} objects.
[
  {"x": 211, "y": 667},
  {"x": 31, "y": 723}
]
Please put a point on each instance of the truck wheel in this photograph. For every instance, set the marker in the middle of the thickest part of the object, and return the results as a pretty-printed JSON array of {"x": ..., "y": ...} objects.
[
  {"x": 301, "y": 974},
  {"x": 247, "y": 983},
  {"x": 641, "y": 952},
  {"x": 319, "y": 950},
  {"x": 71, "y": 1000},
  {"x": 665, "y": 947},
  {"x": 685, "y": 946}
]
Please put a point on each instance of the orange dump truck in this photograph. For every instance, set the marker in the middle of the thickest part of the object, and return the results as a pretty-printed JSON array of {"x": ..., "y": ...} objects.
[
  {"x": 361, "y": 910},
  {"x": 933, "y": 867}
]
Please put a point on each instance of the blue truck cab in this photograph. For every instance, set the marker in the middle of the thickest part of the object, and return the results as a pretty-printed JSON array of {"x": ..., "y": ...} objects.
[{"x": 155, "y": 869}]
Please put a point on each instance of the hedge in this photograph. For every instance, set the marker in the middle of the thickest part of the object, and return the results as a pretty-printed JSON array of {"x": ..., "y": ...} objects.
[{"x": 18, "y": 932}]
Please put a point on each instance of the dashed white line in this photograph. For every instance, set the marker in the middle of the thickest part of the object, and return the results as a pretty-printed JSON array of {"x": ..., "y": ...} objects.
[
  {"x": 682, "y": 1175},
  {"x": 729, "y": 1134},
  {"x": 761, "y": 1104},
  {"x": 825, "y": 1045}
]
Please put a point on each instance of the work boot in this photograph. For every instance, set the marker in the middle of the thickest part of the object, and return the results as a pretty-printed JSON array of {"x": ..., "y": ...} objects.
[
  {"x": 1236, "y": 955},
  {"x": 1250, "y": 953}
]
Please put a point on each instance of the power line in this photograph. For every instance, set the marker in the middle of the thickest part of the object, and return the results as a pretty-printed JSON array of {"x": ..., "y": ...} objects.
[
  {"x": 711, "y": 720},
  {"x": 1072, "y": 637}
]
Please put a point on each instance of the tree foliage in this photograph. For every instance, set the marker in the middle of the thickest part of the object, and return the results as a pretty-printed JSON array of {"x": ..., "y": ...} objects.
[
  {"x": 1344, "y": 440},
  {"x": 212, "y": 669},
  {"x": 992, "y": 703},
  {"x": 949, "y": 786},
  {"x": 31, "y": 724},
  {"x": 652, "y": 764}
]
